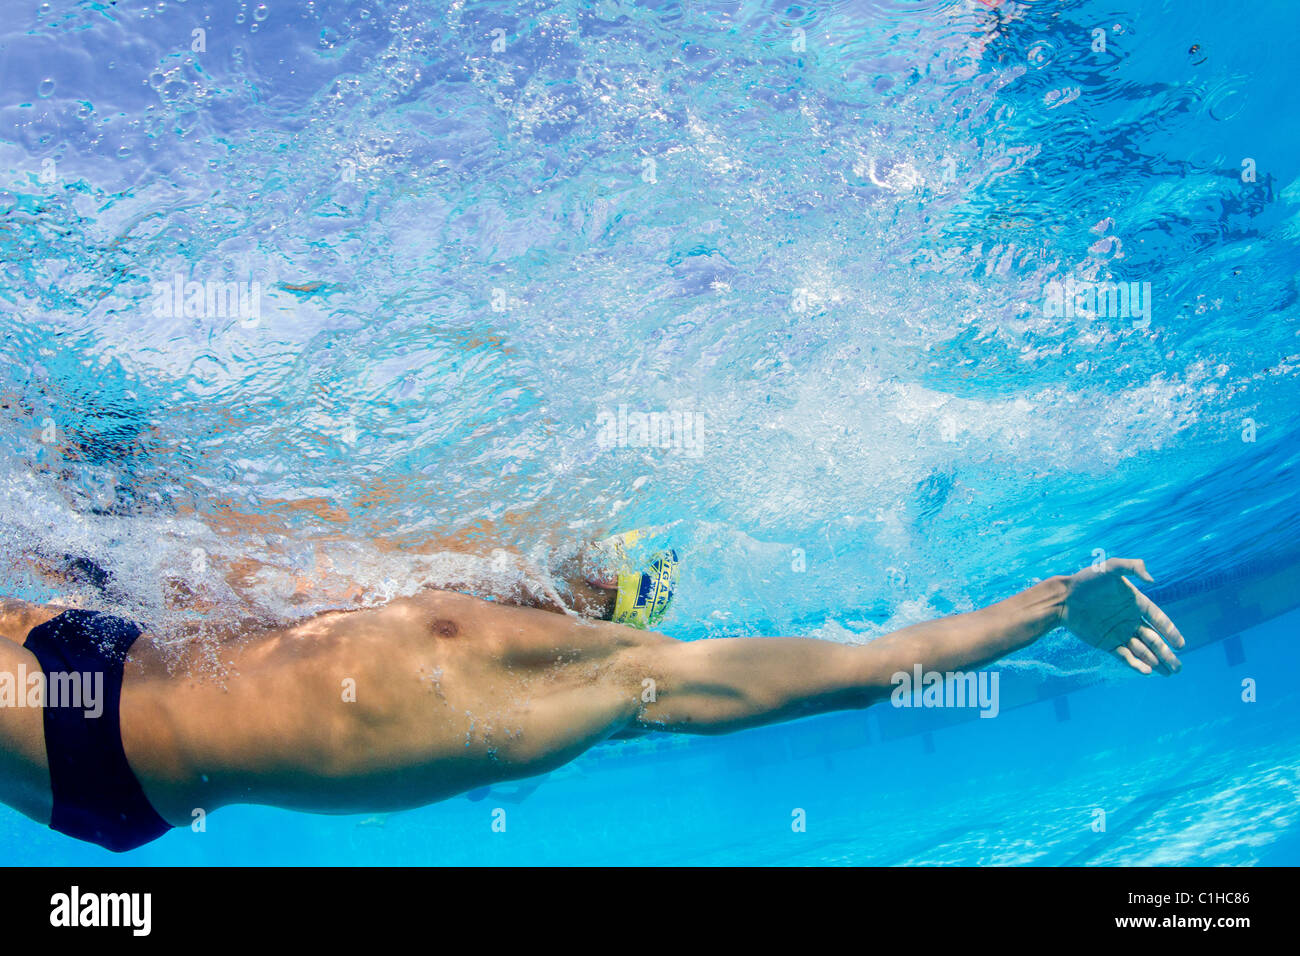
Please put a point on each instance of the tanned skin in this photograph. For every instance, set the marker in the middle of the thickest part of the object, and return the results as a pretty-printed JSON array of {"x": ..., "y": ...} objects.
[{"x": 453, "y": 693}]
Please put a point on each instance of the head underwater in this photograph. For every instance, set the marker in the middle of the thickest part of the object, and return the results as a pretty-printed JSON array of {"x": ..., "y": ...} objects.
[
  {"x": 644, "y": 596},
  {"x": 645, "y": 590}
]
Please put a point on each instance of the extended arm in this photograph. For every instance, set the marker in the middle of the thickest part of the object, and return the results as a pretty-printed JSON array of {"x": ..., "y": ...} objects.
[{"x": 717, "y": 686}]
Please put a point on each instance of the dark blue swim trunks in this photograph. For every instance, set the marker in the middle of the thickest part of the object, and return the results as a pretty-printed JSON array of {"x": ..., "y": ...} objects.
[{"x": 96, "y": 795}]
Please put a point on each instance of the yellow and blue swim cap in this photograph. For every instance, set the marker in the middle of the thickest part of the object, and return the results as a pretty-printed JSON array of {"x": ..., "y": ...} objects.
[
  {"x": 644, "y": 585},
  {"x": 644, "y": 596}
]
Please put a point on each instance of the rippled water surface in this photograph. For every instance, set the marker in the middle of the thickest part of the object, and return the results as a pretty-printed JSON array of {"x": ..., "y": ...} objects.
[{"x": 471, "y": 230}]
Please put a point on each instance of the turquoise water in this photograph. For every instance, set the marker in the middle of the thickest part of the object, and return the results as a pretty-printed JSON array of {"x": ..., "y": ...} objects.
[{"x": 826, "y": 233}]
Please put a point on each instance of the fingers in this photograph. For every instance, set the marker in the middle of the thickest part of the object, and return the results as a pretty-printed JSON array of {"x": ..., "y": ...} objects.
[
  {"x": 1134, "y": 565},
  {"x": 1159, "y": 619},
  {"x": 1146, "y": 652},
  {"x": 1157, "y": 645},
  {"x": 1143, "y": 652},
  {"x": 1127, "y": 657}
]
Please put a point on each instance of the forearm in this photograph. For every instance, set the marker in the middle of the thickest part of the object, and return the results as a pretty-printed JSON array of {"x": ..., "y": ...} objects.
[
  {"x": 968, "y": 641},
  {"x": 721, "y": 685}
]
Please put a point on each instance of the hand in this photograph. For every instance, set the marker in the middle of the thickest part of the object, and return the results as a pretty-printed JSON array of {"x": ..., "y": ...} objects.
[{"x": 1103, "y": 608}]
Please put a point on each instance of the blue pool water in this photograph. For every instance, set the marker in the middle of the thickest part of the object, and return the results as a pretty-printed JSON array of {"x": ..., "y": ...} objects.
[{"x": 824, "y": 234}]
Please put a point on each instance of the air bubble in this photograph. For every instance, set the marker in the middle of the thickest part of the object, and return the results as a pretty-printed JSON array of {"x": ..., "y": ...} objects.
[
  {"x": 261, "y": 12},
  {"x": 46, "y": 88},
  {"x": 1040, "y": 54},
  {"x": 1225, "y": 104}
]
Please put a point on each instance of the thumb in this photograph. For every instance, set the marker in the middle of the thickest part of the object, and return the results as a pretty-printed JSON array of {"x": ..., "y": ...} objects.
[{"x": 1134, "y": 565}]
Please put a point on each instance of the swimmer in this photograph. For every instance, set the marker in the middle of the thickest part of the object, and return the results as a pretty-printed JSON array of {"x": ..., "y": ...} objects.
[{"x": 442, "y": 693}]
